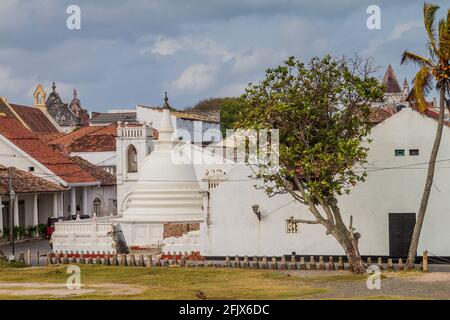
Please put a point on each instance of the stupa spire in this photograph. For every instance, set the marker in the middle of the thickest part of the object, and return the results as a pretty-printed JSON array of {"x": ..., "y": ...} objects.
[{"x": 166, "y": 128}]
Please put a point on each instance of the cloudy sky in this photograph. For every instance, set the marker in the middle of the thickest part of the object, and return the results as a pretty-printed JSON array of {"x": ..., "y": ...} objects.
[{"x": 130, "y": 52}]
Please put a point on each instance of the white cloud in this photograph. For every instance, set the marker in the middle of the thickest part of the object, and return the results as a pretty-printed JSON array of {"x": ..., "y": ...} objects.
[
  {"x": 206, "y": 47},
  {"x": 197, "y": 78},
  {"x": 254, "y": 60},
  {"x": 232, "y": 90},
  {"x": 11, "y": 85},
  {"x": 401, "y": 28}
]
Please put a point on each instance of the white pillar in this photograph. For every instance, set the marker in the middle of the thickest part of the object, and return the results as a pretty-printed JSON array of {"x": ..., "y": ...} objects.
[
  {"x": 73, "y": 202},
  {"x": 16, "y": 210},
  {"x": 1, "y": 217},
  {"x": 61, "y": 204},
  {"x": 55, "y": 205},
  {"x": 85, "y": 201},
  {"x": 35, "y": 210}
]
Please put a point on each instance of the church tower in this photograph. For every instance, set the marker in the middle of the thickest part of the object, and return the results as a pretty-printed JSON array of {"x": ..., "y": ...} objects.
[
  {"x": 133, "y": 144},
  {"x": 40, "y": 97},
  {"x": 405, "y": 88}
]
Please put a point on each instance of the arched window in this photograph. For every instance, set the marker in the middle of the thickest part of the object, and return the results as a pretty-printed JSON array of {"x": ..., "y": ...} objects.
[
  {"x": 39, "y": 98},
  {"x": 97, "y": 206},
  {"x": 132, "y": 159}
]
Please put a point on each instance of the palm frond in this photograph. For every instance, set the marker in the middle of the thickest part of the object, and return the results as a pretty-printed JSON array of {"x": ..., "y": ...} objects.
[
  {"x": 429, "y": 13},
  {"x": 422, "y": 84},
  {"x": 416, "y": 59},
  {"x": 444, "y": 39}
]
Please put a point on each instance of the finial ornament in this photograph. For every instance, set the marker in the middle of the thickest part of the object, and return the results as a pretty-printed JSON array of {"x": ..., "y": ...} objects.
[
  {"x": 75, "y": 93},
  {"x": 166, "y": 101},
  {"x": 54, "y": 86}
]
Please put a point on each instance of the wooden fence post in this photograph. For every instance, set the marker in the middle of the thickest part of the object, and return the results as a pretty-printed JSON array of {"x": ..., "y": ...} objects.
[
  {"x": 255, "y": 262},
  {"x": 321, "y": 263},
  {"x": 273, "y": 265},
  {"x": 293, "y": 263},
  {"x": 283, "y": 264},
  {"x": 246, "y": 264},
  {"x": 132, "y": 260},
  {"x": 340, "y": 263},
  {"x": 264, "y": 264},
  {"x": 330, "y": 263},
  {"x": 312, "y": 263},
  {"x": 302, "y": 263},
  {"x": 37, "y": 258},
  {"x": 425, "y": 261},
  {"x": 400, "y": 264},
  {"x": 390, "y": 265},
  {"x": 380, "y": 263},
  {"x": 227, "y": 261},
  {"x": 149, "y": 261}
]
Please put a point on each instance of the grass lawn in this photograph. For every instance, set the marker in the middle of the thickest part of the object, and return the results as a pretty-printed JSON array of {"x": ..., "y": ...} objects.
[
  {"x": 116, "y": 282},
  {"x": 108, "y": 282}
]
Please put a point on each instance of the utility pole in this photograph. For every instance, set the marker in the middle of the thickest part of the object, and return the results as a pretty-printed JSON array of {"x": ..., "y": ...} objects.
[{"x": 11, "y": 210}]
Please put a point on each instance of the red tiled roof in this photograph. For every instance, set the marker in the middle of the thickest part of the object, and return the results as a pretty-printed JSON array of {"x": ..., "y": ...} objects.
[
  {"x": 24, "y": 182},
  {"x": 91, "y": 139},
  {"x": 68, "y": 138},
  {"x": 105, "y": 178},
  {"x": 34, "y": 118},
  {"x": 94, "y": 143},
  {"x": 30, "y": 143},
  {"x": 378, "y": 114}
]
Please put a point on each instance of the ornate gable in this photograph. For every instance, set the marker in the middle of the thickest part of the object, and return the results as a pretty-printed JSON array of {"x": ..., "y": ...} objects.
[{"x": 60, "y": 111}]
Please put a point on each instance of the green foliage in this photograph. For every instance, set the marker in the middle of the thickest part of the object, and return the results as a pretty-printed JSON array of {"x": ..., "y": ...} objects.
[
  {"x": 31, "y": 230},
  {"x": 230, "y": 108},
  {"x": 19, "y": 231},
  {"x": 5, "y": 231},
  {"x": 321, "y": 110},
  {"x": 42, "y": 229}
]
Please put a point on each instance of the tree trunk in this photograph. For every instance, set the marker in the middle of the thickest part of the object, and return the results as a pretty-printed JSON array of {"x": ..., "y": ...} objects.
[
  {"x": 428, "y": 184},
  {"x": 350, "y": 245}
]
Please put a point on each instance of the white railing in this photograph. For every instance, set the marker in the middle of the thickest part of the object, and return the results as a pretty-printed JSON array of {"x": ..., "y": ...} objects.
[
  {"x": 86, "y": 235},
  {"x": 135, "y": 132}
]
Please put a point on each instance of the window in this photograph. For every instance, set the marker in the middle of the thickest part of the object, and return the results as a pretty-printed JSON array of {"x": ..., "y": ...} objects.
[
  {"x": 399, "y": 152},
  {"x": 292, "y": 226},
  {"x": 97, "y": 205},
  {"x": 413, "y": 152},
  {"x": 131, "y": 159},
  {"x": 30, "y": 169}
]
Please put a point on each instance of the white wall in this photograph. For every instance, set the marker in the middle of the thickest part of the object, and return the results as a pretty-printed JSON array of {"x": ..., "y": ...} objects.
[{"x": 234, "y": 228}]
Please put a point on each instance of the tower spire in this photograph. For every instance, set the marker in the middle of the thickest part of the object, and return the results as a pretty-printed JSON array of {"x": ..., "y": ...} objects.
[
  {"x": 54, "y": 86},
  {"x": 166, "y": 101},
  {"x": 390, "y": 81},
  {"x": 165, "y": 128}
]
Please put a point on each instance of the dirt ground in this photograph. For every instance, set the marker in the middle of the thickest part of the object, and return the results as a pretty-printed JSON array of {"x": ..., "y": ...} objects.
[{"x": 398, "y": 285}]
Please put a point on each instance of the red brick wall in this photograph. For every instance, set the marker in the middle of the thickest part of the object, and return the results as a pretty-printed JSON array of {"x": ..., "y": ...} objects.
[{"x": 178, "y": 229}]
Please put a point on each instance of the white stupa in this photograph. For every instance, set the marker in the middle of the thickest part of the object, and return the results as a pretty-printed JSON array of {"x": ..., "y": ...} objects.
[{"x": 167, "y": 190}]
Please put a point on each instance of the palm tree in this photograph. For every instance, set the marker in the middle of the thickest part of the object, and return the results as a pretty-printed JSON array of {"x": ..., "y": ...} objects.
[{"x": 435, "y": 69}]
